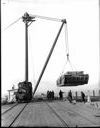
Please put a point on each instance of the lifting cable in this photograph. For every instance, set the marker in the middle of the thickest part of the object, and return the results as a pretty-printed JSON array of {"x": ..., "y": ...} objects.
[
  {"x": 67, "y": 51},
  {"x": 67, "y": 48},
  {"x": 66, "y": 39}
]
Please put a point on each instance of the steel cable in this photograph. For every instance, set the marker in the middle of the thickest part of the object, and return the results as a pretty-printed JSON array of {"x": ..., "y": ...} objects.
[
  {"x": 12, "y": 23},
  {"x": 46, "y": 18},
  {"x": 67, "y": 51}
]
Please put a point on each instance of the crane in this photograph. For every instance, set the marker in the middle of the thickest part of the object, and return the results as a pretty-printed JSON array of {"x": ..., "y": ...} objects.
[
  {"x": 69, "y": 79},
  {"x": 28, "y": 19}
]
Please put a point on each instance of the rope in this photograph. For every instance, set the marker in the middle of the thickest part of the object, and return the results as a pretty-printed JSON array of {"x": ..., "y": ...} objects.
[
  {"x": 67, "y": 51},
  {"x": 46, "y": 18},
  {"x": 66, "y": 39},
  {"x": 12, "y": 23},
  {"x": 67, "y": 48},
  {"x": 63, "y": 68}
]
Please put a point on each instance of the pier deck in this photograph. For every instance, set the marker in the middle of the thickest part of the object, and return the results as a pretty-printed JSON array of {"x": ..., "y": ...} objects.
[{"x": 51, "y": 114}]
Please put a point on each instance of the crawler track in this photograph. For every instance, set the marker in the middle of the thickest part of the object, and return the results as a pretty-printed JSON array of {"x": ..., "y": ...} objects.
[{"x": 58, "y": 116}]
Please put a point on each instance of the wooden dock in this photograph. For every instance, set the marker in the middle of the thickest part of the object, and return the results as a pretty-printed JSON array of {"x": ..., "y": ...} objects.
[{"x": 50, "y": 114}]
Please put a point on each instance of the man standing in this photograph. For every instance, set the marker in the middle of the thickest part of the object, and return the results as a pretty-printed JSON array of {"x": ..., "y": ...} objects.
[
  {"x": 61, "y": 94},
  {"x": 70, "y": 96},
  {"x": 83, "y": 96}
]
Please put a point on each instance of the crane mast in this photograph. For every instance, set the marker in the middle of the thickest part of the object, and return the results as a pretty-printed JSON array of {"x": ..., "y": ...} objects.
[{"x": 26, "y": 19}]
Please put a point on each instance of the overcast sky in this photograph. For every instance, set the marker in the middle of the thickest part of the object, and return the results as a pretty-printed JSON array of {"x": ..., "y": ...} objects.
[{"x": 83, "y": 38}]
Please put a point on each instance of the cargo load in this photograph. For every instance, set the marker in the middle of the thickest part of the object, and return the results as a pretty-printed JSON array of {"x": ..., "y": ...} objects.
[{"x": 73, "y": 78}]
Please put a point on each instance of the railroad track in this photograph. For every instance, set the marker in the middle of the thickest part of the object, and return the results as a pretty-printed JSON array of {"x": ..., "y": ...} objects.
[
  {"x": 16, "y": 115},
  {"x": 9, "y": 109},
  {"x": 58, "y": 116},
  {"x": 84, "y": 117},
  {"x": 19, "y": 113}
]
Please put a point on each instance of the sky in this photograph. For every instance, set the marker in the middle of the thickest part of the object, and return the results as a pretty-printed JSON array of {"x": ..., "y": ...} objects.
[{"x": 82, "y": 38}]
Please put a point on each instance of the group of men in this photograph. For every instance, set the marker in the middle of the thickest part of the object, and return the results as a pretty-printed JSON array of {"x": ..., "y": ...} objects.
[
  {"x": 50, "y": 95},
  {"x": 70, "y": 96}
]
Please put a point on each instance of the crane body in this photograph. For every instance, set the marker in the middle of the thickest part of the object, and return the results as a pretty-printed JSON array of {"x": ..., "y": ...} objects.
[{"x": 25, "y": 88}]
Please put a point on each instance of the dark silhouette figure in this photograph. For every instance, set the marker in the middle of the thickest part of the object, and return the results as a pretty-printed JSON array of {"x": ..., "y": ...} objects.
[
  {"x": 83, "y": 96},
  {"x": 47, "y": 94},
  {"x": 61, "y": 94},
  {"x": 52, "y": 94},
  {"x": 70, "y": 96}
]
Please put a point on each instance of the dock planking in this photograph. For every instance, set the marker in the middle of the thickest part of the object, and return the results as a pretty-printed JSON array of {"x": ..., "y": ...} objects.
[
  {"x": 38, "y": 114},
  {"x": 6, "y": 107},
  {"x": 9, "y": 117},
  {"x": 53, "y": 114},
  {"x": 76, "y": 114}
]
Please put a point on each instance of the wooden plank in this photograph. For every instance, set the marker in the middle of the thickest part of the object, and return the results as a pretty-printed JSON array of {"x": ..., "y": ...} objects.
[
  {"x": 87, "y": 113},
  {"x": 76, "y": 114},
  {"x": 6, "y": 107},
  {"x": 38, "y": 114},
  {"x": 8, "y": 117}
]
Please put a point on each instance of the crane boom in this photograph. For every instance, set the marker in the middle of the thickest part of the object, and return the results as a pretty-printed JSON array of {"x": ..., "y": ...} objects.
[{"x": 49, "y": 55}]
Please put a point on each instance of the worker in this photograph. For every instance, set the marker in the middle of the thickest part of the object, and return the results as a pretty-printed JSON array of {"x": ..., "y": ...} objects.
[
  {"x": 61, "y": 94},
  {"x": 83, "y": 96},
  {"x": 70, "y": 96},
  {"x": 47, "y": 94},
  {"x": 53, "y": 94}
]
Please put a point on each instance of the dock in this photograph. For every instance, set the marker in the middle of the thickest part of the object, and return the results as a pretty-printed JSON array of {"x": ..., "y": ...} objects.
[{"x": 57, "y": 113}]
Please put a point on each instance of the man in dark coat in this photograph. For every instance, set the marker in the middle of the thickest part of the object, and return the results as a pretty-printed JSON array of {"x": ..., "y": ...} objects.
[
  {"x": 83, "y": 96},
  {"x": 70, "y": 96},
  {"x": 61, "y": 94}
]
